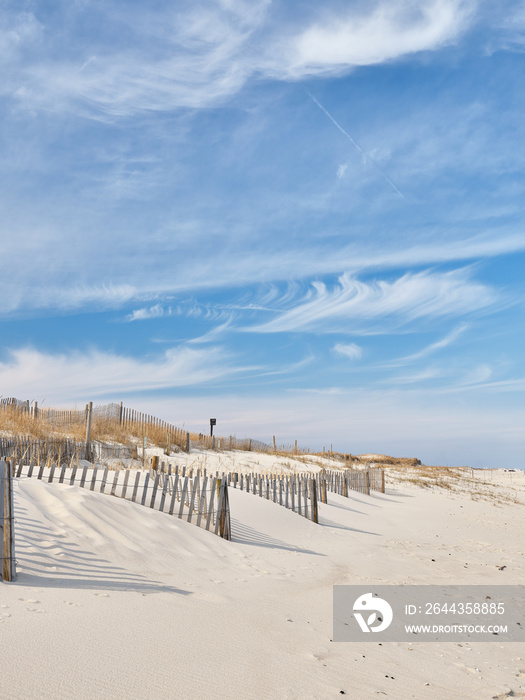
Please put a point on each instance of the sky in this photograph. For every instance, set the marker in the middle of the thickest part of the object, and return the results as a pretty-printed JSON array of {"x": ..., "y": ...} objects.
[{"x": 302, "y": 219}]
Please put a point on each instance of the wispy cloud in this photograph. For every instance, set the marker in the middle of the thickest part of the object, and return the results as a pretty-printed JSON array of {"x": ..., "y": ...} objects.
[
  {"x": 477, "y": 375},
  {"x": 78, "y": 375},
  {"x": 146, "y": 313},
  {"x": 421, "y": 377},
  {"x": 430, "y": 349},
  {"x": 199, "y": 55},
  {"x": 353, "y": 304},
  {"x": 213, "y": 335},
  {"x": 350, "y": 350}
]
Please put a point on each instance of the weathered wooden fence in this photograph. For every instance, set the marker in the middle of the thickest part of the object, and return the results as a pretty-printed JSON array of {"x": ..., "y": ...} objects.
[
  {"x": 195, "y": 498},
  {"x": 298, "y": 492},
  {"x": 59, "y": 450},
  {"x": 7, "y": 535},
  {"x": 302, "y": 492},
  {"x": 128, "y": 419},
  {"x": 362, "y": 480}
]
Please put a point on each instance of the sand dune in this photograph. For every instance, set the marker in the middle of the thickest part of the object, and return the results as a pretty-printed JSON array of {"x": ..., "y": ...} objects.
[{"x": 114, "y": 600}]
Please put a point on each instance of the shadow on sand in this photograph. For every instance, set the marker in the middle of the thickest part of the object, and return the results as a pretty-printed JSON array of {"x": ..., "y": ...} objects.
[{"x": 46, "y": 559}]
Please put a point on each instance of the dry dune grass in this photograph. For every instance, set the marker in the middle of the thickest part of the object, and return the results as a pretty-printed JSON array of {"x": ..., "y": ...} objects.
[
  {"x": 475, "y": 483},
  {"x": 20, "y": 423}
]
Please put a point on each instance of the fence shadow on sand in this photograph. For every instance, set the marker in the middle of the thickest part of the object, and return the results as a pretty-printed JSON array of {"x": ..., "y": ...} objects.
[{"x": 46, "y": 559}]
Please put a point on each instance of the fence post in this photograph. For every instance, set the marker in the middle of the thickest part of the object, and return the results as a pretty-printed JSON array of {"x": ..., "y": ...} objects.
[
  {"x": 89, "y": 415},
  {"x": 313, "y": 487},
  {"x": 6, "y": 522},
  {"x": 2, "y": 515}
]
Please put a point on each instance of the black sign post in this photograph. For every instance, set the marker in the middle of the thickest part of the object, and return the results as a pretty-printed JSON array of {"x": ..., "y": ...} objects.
[{"x": 213, "y": 421}]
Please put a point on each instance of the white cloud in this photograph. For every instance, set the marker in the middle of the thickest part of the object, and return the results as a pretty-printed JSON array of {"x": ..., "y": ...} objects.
[
  {"x": 391, "y": 30},
  {"x": 84, "y": 375},
  {"x": 16, "y": 32},
  {"x": 432, "y": 348},
  {"x": 206, "y": 52},
  {"x": 350, "y": 350},
  {"x": 59, "y": 287},
  {"x": 411, "y": 297},
  {"x": 417, "y": 377},
  {"x": 144, "y": 314},
  {"x": 341, "y": 170}
]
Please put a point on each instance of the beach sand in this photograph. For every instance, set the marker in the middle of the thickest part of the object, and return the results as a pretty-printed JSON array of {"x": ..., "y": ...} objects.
[{"x": 114, "y": 600}]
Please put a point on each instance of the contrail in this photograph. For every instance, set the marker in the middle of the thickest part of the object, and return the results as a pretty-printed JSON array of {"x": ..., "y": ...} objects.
[{"x": 355, "y": 144}]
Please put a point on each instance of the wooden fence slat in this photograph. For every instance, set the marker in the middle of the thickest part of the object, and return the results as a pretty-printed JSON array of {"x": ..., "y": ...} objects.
[
  {"x": 145, "y": 491},
  {"x": 136, "y": 486},
  {"x": 183, "y": 496},
  {"x": 73, "y": 474},
  {"x": 104, "y": 479},
  {"x": 202, "y": 501},
  {"x": 164, "y": 491},
  {"x": 194, "y": 492},
  {"x": 115, "y": 482},
  {"x": 226, "y": 530},
  {"x": 209, "y": 517},
  {"x": 174, "y": 492},
  {"x": 155, "y": 487},
  {"x": 93, "y": 479},
  {"x": 125, "y": 484}
]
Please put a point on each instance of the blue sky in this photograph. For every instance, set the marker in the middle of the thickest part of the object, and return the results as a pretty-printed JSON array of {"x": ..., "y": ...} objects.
[{"x": 304, "y": 220}]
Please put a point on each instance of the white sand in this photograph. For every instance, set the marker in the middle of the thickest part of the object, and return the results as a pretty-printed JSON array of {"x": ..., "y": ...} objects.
[{"x": 114, "y": 600}]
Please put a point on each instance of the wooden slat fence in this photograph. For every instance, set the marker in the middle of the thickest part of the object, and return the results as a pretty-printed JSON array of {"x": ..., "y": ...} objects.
[
  {"x": 302, "y": 492},
  {"x": 58, "y": 450},
  {"x": 136, "y": 422},
  {"x": 193, "y": 497},
  {"x": 298, "y": 492},
  {"x": 128, "y": 418},
  {"x": 7, "y": 535}
]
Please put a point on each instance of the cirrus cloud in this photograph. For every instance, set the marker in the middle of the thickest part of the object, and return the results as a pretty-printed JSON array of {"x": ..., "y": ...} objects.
[
  {"x": 201, "y": 55},
  {"x": 352, "y": 304}
]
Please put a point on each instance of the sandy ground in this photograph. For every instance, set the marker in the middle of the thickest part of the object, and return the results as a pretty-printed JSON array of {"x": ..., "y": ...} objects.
[{"x": 114, "y": 600}]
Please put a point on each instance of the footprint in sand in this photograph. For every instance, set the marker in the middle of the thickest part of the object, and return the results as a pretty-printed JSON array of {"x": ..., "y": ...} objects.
[
  {"x": 68, "y": 602},
  {"x": 29, "y": 600},
  {"x": 102, "y": 595}
]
